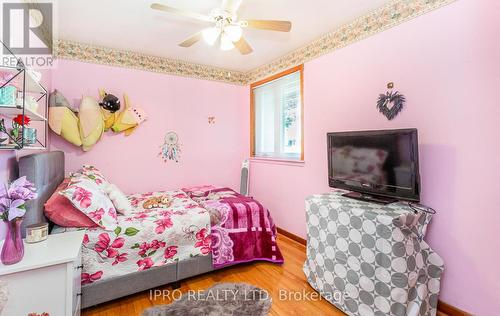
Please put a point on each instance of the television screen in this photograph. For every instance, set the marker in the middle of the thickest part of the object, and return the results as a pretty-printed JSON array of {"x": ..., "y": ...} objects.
[{"x": 383, "y": 163}]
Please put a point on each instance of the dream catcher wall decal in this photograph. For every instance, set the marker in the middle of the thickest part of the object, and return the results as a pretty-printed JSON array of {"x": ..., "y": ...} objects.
[
  {"x": 171, "y": 148},
  {"x": 390, "y": 103}
]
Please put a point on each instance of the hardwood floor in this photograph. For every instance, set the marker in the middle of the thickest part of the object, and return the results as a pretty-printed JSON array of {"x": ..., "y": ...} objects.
[{"x": 268, "y": 276}]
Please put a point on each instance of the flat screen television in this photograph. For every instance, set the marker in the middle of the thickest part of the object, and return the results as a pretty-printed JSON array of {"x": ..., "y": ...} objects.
[{"x": 381, "y": 166}]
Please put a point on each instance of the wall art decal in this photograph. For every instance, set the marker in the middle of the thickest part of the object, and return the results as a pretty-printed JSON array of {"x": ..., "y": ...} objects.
[
  {"x": 390, "y": 103},
  {"x": 171, "y": 148},
  {"x": 211, "y": 120}
]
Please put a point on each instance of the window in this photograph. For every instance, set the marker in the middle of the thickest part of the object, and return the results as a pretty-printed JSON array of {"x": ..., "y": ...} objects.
[{"x": 276, "y": 116}]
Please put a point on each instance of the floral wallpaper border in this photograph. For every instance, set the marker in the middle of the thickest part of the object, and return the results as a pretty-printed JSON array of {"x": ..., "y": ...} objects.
[
  {"x": 388, "y": 16},
  {"x": 113, "y": 57}
]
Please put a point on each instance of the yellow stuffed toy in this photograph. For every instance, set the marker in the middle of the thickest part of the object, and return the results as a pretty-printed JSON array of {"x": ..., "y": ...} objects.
[
  {"x": 93, "y": 118},
  {"x": 91, "y": 123},
  {"x": 65, "y": 123},
  {"x": 128, "y": 119},
  {"x": 62, "y": 119}
]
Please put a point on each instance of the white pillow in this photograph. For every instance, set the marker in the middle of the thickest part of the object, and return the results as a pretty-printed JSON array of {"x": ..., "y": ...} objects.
[{"x": 120, "y": 200}]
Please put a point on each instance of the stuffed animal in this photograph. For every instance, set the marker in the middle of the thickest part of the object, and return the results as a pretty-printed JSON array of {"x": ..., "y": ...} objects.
[
  {"x": 157, "y": 202},
  {"x": 109, "y": 116},
  {"x": 91, "y": 122},
  {"x": 62, "y": 119},
  {"x": 110, "y": 103},
  {"x": 128, "y": 119}
]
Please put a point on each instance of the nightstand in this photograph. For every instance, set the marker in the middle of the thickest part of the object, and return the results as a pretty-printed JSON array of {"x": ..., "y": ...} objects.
[{"x": 47, "y": 280}]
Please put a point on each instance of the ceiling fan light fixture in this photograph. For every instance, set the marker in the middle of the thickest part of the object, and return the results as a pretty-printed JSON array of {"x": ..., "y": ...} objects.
[
  {"x": 233, "y": 32},
  {"x": 225, "y": 42},
  {"x": 210, "y": 35}
]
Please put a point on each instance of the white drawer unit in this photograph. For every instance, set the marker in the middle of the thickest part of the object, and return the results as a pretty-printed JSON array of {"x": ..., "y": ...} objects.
[{"x": 47, "y": 280}]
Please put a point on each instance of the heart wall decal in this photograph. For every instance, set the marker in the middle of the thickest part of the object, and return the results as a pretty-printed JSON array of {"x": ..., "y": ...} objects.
[{"x": 390, "y": 103}]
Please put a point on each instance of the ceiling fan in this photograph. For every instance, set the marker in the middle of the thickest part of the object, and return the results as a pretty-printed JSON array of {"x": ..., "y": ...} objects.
[{"x": 227, "y": 28}]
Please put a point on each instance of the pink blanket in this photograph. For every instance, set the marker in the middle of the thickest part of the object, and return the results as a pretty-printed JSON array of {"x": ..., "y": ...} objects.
[{"x": 242, "y": 229}]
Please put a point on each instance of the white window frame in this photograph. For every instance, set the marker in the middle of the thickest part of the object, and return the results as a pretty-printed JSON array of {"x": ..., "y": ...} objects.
[{"x": 278, "y": 129}]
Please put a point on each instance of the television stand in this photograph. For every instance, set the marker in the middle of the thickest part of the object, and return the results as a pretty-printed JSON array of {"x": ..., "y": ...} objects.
[{"x": 369, "y": 198}]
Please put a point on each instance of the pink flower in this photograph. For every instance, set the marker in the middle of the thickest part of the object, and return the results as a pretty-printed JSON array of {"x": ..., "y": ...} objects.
[
  {"x": 112, "y": 252},
  {"x": 170, "y": 252},
  {"x": 166, "y": 213},
  {"x": 83, "y": 196},
  {"x": 163, "y": 224},
  {"x": 103, "y": 245},
  {"x": 85, "y": 239},
  {"x": 144, "y": 248},
  {"x": 145, "y": 264},
  {"x": 120, "y": 258},
  {"x": 90, "y": 278},
  {"x": 118, "y": 243},
  {"x": 103, "y": 242},
  {"x": 112, "y": 213},
  {"x": 201, "y": 234},
  {"x": 204, "y": 241},
  {"x": 96, "y": 215},
  {"x": 141, "y": 215},
  {"x": 155, "y": 244}
]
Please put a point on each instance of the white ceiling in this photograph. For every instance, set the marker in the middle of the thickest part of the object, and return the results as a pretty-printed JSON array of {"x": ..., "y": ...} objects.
[{"x": 131, "y": 25}]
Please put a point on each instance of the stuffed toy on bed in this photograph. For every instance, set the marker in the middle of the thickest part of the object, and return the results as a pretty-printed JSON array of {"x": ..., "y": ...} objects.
[
  {"x": 91, "y": 122},
  {"x": 128, "y": 120}
]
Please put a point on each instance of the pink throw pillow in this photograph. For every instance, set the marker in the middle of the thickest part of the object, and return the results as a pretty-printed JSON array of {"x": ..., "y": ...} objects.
[{"x": 60, "y": 211}]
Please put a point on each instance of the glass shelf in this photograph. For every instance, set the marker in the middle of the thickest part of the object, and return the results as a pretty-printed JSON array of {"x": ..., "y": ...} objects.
[
  {"x": 11, "y": 111},
  {"x": 25, "y": 147},
  {"x": 27, "y": 87},
  {"x": 31, "y": 85}
]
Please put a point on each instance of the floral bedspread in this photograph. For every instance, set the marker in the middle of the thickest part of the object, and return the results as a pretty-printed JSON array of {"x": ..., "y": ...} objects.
[
  {"x": 165, "y": 227},
  {"x": 242, "y": 229}
]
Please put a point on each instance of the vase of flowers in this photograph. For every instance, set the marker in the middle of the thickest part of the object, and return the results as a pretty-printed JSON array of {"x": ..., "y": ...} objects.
[
  {"x": 19, "y": 123},
  {"x": 13, "y": 200}
]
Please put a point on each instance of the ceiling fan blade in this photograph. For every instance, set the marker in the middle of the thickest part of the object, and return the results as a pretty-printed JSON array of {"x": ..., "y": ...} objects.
[
  {"x": 231, "y": 5},
  {"x": 190, "y": 41},
  {"x": 272, "y": 25},
  {"x": 188, "y": 14},
  {"x": 243, "y": 46}
]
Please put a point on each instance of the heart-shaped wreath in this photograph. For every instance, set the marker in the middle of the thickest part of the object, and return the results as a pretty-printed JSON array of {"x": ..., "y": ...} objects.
[{"x": 390, "y": 104}]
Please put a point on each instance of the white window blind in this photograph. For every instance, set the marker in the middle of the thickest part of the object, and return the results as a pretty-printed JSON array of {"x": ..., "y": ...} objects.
[{"x": 278, "y": 111}]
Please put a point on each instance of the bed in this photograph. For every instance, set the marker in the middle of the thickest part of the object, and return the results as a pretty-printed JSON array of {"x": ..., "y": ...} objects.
[{"x": 169, "y": 236}]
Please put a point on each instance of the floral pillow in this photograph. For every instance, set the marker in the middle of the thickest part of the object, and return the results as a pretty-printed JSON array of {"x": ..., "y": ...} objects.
[
  {"x": 86, "y": 196},
  {"x": 95, "y": 175}
]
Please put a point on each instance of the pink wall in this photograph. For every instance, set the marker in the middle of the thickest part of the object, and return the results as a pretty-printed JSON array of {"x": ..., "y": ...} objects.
[
  {"x": 447, "y": 64},
  {"x": 210, "y": 153}
]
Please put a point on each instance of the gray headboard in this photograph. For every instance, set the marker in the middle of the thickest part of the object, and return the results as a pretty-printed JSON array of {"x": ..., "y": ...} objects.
[{"x": 46, "y": 171}]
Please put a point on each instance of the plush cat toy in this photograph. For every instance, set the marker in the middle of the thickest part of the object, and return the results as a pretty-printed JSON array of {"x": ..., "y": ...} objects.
[
  {"x": 109, "y": 106},
  {"x": 62, "y": 119},
  {"x": 128, "y": 120},
  {"x": 91, "y": 123}
]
